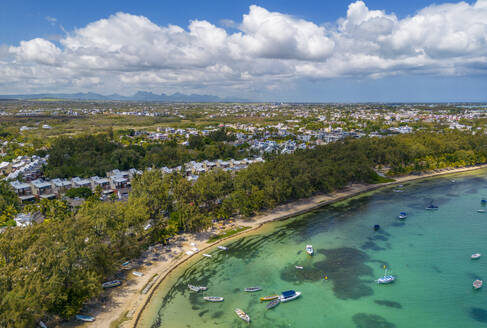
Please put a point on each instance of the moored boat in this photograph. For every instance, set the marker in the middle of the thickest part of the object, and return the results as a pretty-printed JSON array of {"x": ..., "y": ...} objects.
[
  {"x": 273, "y": 304},
  {"x": 386, "y": 279},
  {"x": 299, "y": 267},
  {"x": 85, "y": 318},
  {"x": 110, "y": 284},
  {"x": 289, "y": 295},
  {"x": 481, "y": 211},
  {"x": 206, "y": 255},
  {"x": 309, "y": 249},
  {"x": 376, "y": 227},
  {"x": 475, "y": 256},
  {"x": 242, "y": 315},
  {"x": 431, "y": 207},
  {"x": 197, "y": 288},
  {"x": 269, "y": 298},
  {"x": 137, "y": 273},
  {"x": 252, "y": 289},
  {"x": 223, "y": 248},
  {"x": 402, "y": 216},
  {"x": 213, "y": 298},
  {"x": 477, "y": 284}
]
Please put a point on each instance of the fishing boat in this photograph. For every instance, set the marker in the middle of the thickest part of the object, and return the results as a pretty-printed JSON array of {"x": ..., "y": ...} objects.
[
  {"x": 477, "y": 284},
  {"x": 252, "y": 289},
  {"x": 269, "y": 298},
  {"x": 242, "y": 315},
  {"x": 85, "y": 318},
  {"x": 223, "y": 248},
  {"x": 386, "y": 279},
  {"x": 137, "y": 273},
  {"x": 110, "y": 284},
  {"x": 431, "y": 207},
  {"x": 289, "y": 295},
  {"x": 402, "y": 216},
  {"x": 197, "y": 288},
  {"x": 481, "y": 211},
  {"x": 273, "y": 304},
  {"x": 299, "y": 267},
  {"x": 206, "y": 255},
  {"x": 309, "y": 249},
  {"x": 475, "y": 256},
  {"x": 213, "y": 298}
]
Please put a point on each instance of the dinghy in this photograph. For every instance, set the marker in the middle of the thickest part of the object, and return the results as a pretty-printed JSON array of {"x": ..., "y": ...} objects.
[
  {"x": 206, "y": 255},
  {"x": 110, "y": 284},
  {"x": 213, "y": 298},
  {"x": 477, "y": 284},
  {"x": 85, "y": 318},
  {"x": 273, "y": 304},
  {"x": 223, "y": 248},
  {"x": 309, "y": 249},
  {"x": 242, "y": 315},
  {"x": 252, "y": 289},
  {"x": 475, "y": 256},
  {"x": 299, "y": 267},
  {"x": 269, "y": 298}
]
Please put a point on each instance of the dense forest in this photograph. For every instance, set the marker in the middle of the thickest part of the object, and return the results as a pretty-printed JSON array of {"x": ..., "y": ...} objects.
[
  {"x": 90, "y": 155},
  {"x": 48, "y": 270}
]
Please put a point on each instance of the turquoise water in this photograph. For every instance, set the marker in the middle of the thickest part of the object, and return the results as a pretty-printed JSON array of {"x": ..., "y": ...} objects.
[{"x": 429, "y": 253}]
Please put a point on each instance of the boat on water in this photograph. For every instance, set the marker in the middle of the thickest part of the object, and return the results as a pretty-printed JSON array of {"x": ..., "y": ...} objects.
[
  {"x": 398, "y": 190},
  {"x": 376, "y": 227},
  {"x": 475, "y": 256},
  {"x": 483, "y": 201},
  {"x": 252, "y": 289},
  {"x": 273, "y": 304},
  {"x": 206, "y": 255},
  {"x": 137, "y": 273},
  {"x": 269, "y": 298},
  {"x": 386, "y": 279},
  {"x": 289, "y": 295},
  {"x": 213, "y": 298},
  {"x": 242, "y": 315},
  {"x": 299, "y": 267},
  {"x": 402, "y": 216},
  {"x": 431, "y": 207},
  {"x": 110, "y": 284},
  {"x": 85, "y": 318},
  {"x": 477, "y": 284},
  {"x": 309, "y": 249},
  {"x": 223, "y": 248},
  {"x": 481, "y": 211},
  {"x": 197, "y": 288}
]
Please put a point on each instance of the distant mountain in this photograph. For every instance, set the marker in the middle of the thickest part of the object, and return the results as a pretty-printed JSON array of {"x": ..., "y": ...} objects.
[{"x": 139, "y": 96}]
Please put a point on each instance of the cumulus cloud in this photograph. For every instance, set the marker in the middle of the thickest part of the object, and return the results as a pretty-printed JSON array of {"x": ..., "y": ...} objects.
[{"x": 129, "y": 52}]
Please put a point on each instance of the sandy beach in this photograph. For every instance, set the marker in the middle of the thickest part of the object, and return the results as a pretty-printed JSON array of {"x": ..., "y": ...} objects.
[{"x": 124, "y": 304}]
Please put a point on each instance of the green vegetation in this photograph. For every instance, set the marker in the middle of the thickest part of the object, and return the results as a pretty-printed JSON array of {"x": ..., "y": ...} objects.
[
  {"x": 227, "y": 233},
  {"x": 49, "y": 270},
  {"x": 81, "y": 192},
  {"x": 9, "y": 204}
]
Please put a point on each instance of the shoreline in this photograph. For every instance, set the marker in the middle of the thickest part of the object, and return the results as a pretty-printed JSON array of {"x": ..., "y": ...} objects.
[{"x": 127, "y": 303}]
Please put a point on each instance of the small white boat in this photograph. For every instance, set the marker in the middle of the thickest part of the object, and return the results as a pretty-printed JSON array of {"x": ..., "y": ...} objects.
[
  {"x": 85, "y": 318},
  {"x": 42, "y": 324},
  {"x": 309, "y": 249},
  {"x": 398, "y": 190},
  {"x": 299, "y": 267},
  {"x": 213, "y": 298},
  {"x": 242, "y": 315},
  {"x": 189, "y": 253},
  {"x": 481, "y": 211},
  {"x": 386, "y": 279},
  {"x": 137, "y": 273},
  {"x": 110, "y": 284},
  {"x": 402, "y": 216},
  {"x": 475, "y": 256},
  {"x": 194, "y": 249},
  {"x": 252, "y": 289},
  {"x": 207, "y": 255},
  {"x": 223, "y": 248},
  {"x": 477, "y": 284},
  {"x": 289, "y": 295},
  {"x": 197, "y": 288}
]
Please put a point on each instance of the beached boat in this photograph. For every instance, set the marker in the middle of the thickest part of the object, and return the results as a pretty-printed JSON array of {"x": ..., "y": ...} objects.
[
  {"x": 252, "y": 289},
  {"x": 475, "y": 256},
  {"x": 213, "y": 298},
  {"x": 299, "y": 267},
  {"x": 309, "y": 249},
  {"x": 242, "y": 315},
  {"x": 289, "y": 295},
  {"x": 223, "y": 248},
  {"x": 137, "y": 273},
  {"x": 206, "y": 255},
  {"x": 197, "y": 288},
  {"x": 124, "y": 264},
  {"x": 110, "y": 284},
  {"x": 269, "y": 298},
  {"x": 386, "y": 279},
  {"x": 85, "y": 318},
  {"x": 402, "y": 216},
  {"x": 477, "y": 284},
  {"x": 273, "y": 304},
  {"x": 42, "y": 324}
]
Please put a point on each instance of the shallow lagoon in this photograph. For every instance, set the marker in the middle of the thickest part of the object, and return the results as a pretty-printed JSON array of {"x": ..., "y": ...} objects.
[{"x": 429, "y": 253}]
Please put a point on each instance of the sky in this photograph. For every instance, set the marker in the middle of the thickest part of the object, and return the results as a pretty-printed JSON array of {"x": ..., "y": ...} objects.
[{"x": 274, "y": 50}]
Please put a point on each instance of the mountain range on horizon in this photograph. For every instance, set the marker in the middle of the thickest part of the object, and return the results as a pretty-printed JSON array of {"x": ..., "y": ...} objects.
[{"x": 139, "y": 96}]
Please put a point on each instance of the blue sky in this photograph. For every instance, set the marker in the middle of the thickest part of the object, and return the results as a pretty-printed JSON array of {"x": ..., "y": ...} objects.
[{"x": 264, "y": 50}]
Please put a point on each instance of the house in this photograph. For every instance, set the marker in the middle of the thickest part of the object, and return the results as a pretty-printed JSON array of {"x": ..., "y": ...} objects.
[
  {"x": 103, "y": 183},
  {"x": 80, "y": 182},
  {"x": 42, "y": 189},
  {"x": 5, "y": 168},
  {"x": 23, "y": 220},
  {"x": 23, "y": 190},
  {"x": 61, "y": 186}
]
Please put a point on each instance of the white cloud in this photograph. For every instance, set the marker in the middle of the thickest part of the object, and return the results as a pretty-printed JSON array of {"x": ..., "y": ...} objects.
[{"x": 125, "y": 52}]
